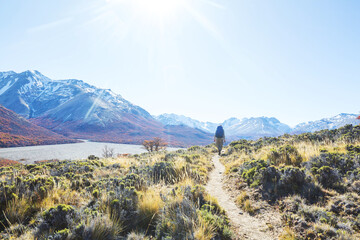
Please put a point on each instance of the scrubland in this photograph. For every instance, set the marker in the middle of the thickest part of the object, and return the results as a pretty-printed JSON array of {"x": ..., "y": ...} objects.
[
  {"x": 312, "y": 180},
  {"x": 146, "y": 196}
]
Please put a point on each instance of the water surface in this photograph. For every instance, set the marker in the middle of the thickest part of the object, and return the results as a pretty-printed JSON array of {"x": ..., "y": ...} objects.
[{"x": 70, "y": 151}]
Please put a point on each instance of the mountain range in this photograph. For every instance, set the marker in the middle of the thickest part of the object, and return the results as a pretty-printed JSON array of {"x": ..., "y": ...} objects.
[
  {"x": 256, "y": 127},
  {"x": 76, "y": 109}
]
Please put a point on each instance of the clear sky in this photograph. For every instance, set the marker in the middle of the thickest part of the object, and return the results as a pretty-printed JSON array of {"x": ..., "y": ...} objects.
[{"x": 206, "y": 59}]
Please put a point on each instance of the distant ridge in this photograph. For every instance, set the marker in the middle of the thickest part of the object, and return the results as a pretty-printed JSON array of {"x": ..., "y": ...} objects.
[
  {"x": 337, "y": 121},
  {"x": 247, "y": 128},
  {"x": 15, "y": 131},
  {"x": 253, "y": 128}
]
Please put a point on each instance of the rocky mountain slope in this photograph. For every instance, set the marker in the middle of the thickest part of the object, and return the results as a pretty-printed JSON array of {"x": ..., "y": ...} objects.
[
  {"x": 79, "y": 110},
  {"x": 16, "y": 131}
]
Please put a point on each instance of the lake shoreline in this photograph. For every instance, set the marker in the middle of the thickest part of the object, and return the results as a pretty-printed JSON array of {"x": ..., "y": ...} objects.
[{"x": 70, "y": 151}]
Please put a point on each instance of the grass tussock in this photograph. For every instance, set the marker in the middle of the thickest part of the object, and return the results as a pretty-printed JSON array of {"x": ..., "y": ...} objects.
[
  {"x": 204, "y": 230},
  {"x": 149, "y": 206},
  {"x": 287, "y": 234}
]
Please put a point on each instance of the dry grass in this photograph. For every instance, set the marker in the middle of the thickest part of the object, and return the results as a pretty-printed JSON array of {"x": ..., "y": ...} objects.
[
  {"x": 187, "y": 181},
  {"x": 16, "y": 210},
  {"x": 125, "y": 162},
  {"x": 287, "y": 234},
  {"x": 244, "y": 202},
  {"x": 240, "y": 200},
  {"x": 248, "y": 207},
  {"x": 204, "y": 230},
  {"x": 105, "y": 173},
  {"x": 62, "y": 196},
  {"x": 102, "y": 228},
  {"x": 149, "y": 206},
  {"x": 309, "y": 150}
]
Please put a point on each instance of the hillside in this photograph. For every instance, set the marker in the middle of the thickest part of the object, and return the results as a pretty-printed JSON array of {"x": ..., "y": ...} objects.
[
  {"x": 16, "y": 131},
  {"x": 78, "y": 110}
]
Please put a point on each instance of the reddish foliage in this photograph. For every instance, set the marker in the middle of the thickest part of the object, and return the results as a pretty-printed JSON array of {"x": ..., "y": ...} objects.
[
  {"x": 358, "y": 117},
  {"x": 131, "y": 130},
  {"x": 6, "y": 162},
  {"x": 16, "y": 131}
]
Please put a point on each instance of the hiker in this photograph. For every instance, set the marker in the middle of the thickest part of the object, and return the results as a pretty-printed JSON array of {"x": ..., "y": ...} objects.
[{"x": 219, "y": 138}]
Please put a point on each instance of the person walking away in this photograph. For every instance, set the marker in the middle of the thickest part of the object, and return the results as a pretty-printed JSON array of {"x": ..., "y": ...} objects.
[{"x": 219, "y": 138}]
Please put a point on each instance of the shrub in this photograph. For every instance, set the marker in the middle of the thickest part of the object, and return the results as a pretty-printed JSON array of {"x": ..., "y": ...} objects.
[
  {"x": 327, "y": 177},
  {"x": 58, "y": 217},
  {"x": 287, "y": 155},
  {"x": 252, "y": 171},
  {"x": 93, "y": 157}
]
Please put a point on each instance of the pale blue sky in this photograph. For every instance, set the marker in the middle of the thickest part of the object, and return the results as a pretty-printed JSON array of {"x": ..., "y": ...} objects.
[{"x": 206, "y": 59}]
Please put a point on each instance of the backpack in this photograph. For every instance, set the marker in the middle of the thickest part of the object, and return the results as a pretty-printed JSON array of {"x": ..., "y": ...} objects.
[{"x": 219, "y": 132}]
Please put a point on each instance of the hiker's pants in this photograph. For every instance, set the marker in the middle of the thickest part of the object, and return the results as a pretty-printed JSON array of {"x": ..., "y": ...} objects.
[{"x": 219, "y": 143}]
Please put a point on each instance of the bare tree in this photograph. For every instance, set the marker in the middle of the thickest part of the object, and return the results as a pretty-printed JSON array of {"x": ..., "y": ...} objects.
[
  {"x": 156, "y": 144},
  {"x": 108, "y": 152},
  {"x": 159, "y": 144}
]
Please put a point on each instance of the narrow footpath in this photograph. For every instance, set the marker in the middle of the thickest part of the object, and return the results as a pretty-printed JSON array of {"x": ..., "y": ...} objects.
[{"x": 244, "y": 225}]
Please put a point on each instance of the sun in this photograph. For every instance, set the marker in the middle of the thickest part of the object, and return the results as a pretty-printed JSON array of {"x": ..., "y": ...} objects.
[
  {"x": 152, "y": 10},
  {"x": 158, "y": 8}
]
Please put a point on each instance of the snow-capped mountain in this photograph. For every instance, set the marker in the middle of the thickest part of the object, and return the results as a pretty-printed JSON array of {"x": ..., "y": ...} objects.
[
  {"x": 252, "y": 128},
  {"x": 337, "y": 121},
  {"x": 174, "y": 119},
  {"x": 32, "y": 94},
  {"x": 79, "y": 110},
  {"x": 244, "y": 128},
  {"x": 256, "y": 127}
]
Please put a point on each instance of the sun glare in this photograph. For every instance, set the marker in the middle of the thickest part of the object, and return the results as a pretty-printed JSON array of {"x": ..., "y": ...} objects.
[
  {"x": 152, "y": 9},
  {"x": 157, "y": 8}
]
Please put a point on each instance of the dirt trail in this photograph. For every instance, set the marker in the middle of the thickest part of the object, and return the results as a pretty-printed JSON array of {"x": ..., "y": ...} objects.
[{"x": 244, "y": 225}]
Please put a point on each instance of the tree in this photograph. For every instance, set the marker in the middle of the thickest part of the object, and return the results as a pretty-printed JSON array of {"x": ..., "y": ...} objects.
[
  {"x": 108, "y": 152},
  {"x": 156, "y": 144}
]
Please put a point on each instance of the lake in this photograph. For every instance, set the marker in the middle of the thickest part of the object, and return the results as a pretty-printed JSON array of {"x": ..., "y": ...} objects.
[{"x": 67, "y": 151}]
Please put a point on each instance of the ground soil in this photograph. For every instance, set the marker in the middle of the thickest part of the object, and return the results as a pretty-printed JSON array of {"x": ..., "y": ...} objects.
[{"x": 265, "y": 225}]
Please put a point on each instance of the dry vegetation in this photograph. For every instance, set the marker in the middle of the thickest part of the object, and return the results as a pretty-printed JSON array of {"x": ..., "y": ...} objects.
[
  {"x": 312, "y": 179},
  {"x": 148, "y": 196}
]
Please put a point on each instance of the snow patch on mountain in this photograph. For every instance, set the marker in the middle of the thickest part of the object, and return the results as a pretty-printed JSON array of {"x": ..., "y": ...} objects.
[
  {"x": 337, "y": 121},
  {"x": 175, "y": 120},
  {"x": 246, "y": 127}
]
